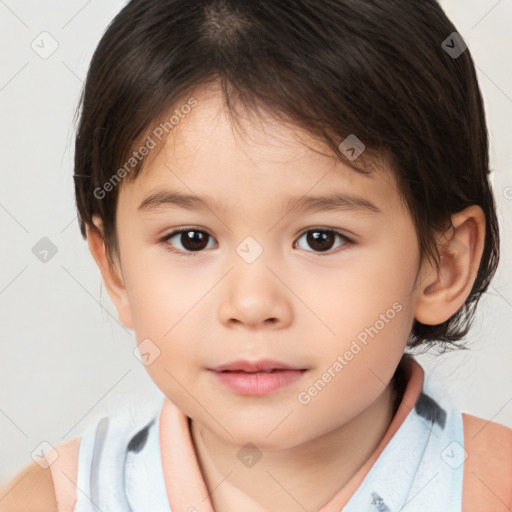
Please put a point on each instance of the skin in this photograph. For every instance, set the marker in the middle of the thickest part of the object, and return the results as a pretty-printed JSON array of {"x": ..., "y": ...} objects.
[{"x": 294, "y": 303}]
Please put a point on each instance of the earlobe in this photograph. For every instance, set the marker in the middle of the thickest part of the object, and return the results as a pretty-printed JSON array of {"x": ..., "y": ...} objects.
[
  {"x": 443, "y": 290},
  {"x": 111, "y": 274}
]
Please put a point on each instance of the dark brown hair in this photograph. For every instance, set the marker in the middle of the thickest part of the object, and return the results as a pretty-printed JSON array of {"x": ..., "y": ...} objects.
[{"x": 373, "y": 68}]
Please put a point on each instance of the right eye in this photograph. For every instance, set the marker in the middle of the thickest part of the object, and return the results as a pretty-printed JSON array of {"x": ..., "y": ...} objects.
[{"x": 191, "y": 240}]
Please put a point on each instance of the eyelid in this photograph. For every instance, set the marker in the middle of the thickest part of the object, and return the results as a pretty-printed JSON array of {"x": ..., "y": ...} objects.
[{"x": 338, "y": 231}]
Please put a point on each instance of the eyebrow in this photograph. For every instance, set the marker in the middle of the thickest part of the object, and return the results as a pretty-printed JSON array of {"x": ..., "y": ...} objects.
[{"x": 332, "y": 202}]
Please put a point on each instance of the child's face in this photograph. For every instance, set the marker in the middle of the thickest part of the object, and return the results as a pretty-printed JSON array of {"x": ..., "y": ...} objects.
[{"x": 344, "y": 314}]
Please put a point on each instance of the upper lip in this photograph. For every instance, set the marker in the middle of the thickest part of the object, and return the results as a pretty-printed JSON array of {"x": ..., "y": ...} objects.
[{"x": 254, "y": 366}]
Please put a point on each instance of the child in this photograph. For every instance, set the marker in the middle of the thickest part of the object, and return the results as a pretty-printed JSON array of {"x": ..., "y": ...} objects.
[{"x": 331, "y": 160}]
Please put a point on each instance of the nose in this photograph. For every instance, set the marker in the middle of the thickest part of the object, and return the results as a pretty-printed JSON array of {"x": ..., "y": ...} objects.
[{"x": 253, "y": 296}]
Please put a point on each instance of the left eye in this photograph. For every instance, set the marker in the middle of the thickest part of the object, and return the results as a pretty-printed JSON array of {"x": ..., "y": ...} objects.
[{"x": 321, "y": 240}]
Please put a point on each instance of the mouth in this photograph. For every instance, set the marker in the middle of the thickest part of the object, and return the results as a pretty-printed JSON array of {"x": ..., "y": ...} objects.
[
  {"x": 259, "y": 378},
  {"x": 261, "y": 366},
  {"x": 274, "y": 370}
]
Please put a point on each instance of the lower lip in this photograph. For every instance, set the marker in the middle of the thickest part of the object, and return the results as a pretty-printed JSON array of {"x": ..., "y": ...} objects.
[{"x": 258, "y": 383}]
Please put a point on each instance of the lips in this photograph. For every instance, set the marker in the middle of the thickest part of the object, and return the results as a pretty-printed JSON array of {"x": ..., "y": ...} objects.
[
  {"x": 257, "y": 371},
  {"x": 263, "y": 366},
  {"x": 257, "y": 378}
]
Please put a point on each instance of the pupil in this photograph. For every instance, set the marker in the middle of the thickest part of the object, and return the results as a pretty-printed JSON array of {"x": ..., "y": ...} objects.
[
  {"x": 317, "y": 239},
  {"x": 193, "y": 240}
]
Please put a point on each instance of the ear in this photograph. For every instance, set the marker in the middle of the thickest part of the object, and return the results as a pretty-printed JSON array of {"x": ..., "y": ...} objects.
[
  {"x": 442, "y": 291},
  {"x": 110, "y": 271}
]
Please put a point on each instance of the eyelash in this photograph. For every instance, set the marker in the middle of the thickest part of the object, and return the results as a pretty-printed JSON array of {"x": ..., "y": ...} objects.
[{"x": 164, "y": 241}]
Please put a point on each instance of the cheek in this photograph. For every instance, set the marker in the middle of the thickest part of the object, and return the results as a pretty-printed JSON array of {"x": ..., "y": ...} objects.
[
  {"x": 172, "y": 347},
  {"x": 355, "y": 370},
  {"x": 370, "y": 290},
  {"x": 161, "y": 292},
  {"x": 164, "y": 304},
  {"x": 369, "y": 310}
]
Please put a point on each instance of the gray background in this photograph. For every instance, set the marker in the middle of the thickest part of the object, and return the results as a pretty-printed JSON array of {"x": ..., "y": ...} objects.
[{"x": 65, "y": 359}]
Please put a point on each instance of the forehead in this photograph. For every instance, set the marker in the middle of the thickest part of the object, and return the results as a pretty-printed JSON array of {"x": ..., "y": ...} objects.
[{"x": 209, "y": 154}]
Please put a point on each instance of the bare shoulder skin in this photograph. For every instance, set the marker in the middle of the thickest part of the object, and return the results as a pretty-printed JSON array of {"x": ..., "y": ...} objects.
[{"x": 30, "y": 490}]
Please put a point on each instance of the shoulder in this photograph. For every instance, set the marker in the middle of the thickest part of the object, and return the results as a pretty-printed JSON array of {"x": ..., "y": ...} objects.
[
  {"x": 487, "y": 437},
  {"x": 487, "y": 465},
  {"x": 30, "y": 490},
  {"x": 104, "y": 443},
  {"x": 46, "y": 485},
  {"x": 475, "y": 426}
]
